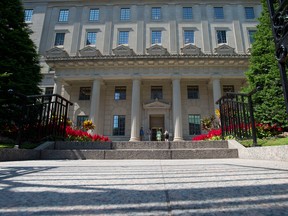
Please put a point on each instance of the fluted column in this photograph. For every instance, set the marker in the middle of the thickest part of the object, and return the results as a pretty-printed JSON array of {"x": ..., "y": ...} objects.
[
  {"x": 216, "y": 90},
  {"x": 95, "y": 104},
  {"x": 135, "y": 110},
  {"x": 177, "y": 109},
  {"x": 57, "y": 85}
]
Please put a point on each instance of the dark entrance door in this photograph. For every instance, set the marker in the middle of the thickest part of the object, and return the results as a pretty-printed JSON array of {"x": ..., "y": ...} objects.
[{"x": 156, "y": 123}]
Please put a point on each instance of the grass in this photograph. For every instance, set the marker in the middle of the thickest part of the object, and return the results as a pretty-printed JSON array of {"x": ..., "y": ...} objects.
[
  {"x": 272, "y": 141},
  {"x": 23, "y": 146}
]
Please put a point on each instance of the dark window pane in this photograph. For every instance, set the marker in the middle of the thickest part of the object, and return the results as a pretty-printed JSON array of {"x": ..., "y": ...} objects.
[
  {"x": 193, "y": 92},
  {"x": 156, "y": 92},
  {"x": 194, "y": 124},
  {"x": 84, "y": 93}
]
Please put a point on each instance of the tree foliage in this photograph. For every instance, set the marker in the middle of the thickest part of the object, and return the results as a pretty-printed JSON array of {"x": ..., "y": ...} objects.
[
  {"x": 18, "y": 56},
  {"x": 264, "y": 72}
]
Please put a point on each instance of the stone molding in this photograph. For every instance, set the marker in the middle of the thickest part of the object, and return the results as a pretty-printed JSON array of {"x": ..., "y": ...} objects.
[
  {"x": 157, "y": 49},
  {"x": 191, "y": 49},
  {"x": 224, "y": 49},
  {"x": 56, "y": 52},
  {"x": 89, "y": 51},
  {"x": 123, "y": 50},
  {"x": 156, "y": 105}
]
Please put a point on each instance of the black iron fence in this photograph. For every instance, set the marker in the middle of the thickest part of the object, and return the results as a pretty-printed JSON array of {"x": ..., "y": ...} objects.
[
  {"x": 40, "y": 117},
  {"x": 236, "y": 116}
]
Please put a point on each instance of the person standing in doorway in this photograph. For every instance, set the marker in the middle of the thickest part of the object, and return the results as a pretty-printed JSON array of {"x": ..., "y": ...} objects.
[
  {"x": 141, "y": 134},
  {"x": 148, "y": 132},
  {"x": 166, "y": 135},
  {"x": 158, "y": 135}
]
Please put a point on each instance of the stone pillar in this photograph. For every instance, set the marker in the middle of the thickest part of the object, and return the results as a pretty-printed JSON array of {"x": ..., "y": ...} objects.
[
  {"x": 216, "y": 91},
  {"x": 95, "y": 104},
  {"x": 177, "y": 109},
  {"x": 57, "y": 86},
  {"x": 135, "y": 110}
]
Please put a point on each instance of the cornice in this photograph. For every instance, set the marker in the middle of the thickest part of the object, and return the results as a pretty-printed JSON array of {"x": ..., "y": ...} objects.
[{"x": 148, "y": 61}]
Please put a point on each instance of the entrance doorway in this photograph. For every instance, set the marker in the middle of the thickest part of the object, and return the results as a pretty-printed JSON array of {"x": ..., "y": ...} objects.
[{"x": 156, "y": 123}]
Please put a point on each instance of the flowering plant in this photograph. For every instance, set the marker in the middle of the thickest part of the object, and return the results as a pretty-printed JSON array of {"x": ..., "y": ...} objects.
[
  {"x": 88, "y": 125},
  {"x": 79, "y": 135}
]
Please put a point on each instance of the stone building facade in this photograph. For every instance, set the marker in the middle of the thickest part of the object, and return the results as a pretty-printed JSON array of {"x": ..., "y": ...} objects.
[{"x": 127, "y": 64}]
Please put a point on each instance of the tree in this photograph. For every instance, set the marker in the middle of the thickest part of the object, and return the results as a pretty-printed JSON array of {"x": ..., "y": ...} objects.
[
  {"x": 18, "y": 56},
  {"x": 263, "y": 71},
  {"x": 19, "y": 62}
]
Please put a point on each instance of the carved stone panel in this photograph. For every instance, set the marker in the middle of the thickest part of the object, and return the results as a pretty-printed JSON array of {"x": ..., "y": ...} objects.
[
  {"x": 89, "y": 51},
  {"x": 56, "y": 52},
  {"x": 191, "y": 49},
  {"x": 123, "y": 50},
  {"x": 224, "y": 50},
  {"x": 157, "y": 50}
]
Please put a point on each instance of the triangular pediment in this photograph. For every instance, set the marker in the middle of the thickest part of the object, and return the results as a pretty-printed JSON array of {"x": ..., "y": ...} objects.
[
  {"x": 56, "y": 52},
  {"x": 191, "y": 49},
  {"x": 156, "y": 105},
  {"x": 224, "y": 49},
  {"x": 123, "y": 50},
  {"x": 89, "y": 51},
  {"x": 157, "y": 49}
]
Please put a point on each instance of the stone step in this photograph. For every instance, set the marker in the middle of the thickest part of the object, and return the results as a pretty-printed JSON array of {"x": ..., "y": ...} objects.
[
  {"x": 142, "y": 145},
  {"x": 131, "y": 154}
]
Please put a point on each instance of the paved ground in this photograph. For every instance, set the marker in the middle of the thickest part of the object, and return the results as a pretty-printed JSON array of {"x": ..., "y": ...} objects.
[{"x": 151, "y": 187}]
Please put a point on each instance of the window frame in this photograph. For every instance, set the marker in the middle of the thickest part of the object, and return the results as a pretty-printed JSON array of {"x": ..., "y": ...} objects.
[
  {"x": 194, "y": 126},
  {"x": 187, "y": 13},
  {"x": 221, "y": 36},
  {"x": 219, "y": 13},
  {"x": 125, "y": 14},
  {"x": 93, "y": 38},
  {"x": 156, "y": 95},
  {"x": 184, "y": 36},
  {"x": 156, "y": 13},
  {"x": 58, "y": 39},
  {"x": 194, "y": 92},
  {"x": 84, "y": 95},
  {"x": 155, "y": 33},
  {"x": 251, "y": 36},
  {"x": 121, "y": 90},
  {"x": 28, "y": 14},
  {"x": 119, "y": 126},
  {"x": 122, "y": 37},
  {"x": 94, "y": 13},
  {"x": 48, "y": 90},
  {"x": 227, "y": 87},
  {"x": 249, "y": 13},
  {"x": 63, "y": 17}
]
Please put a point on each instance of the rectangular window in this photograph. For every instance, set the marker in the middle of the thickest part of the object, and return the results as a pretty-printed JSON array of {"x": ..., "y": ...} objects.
[
  {"x": 187, "y": 13},
  {"x": 188, "y": 36},
  {"x": 218, "y": 13},
  {"x": 156, "y": 37},
  {"x": 59, "y": 39},
  {"x": 228, "y": 88},
  {"x": 123, "y": 37},
  {"x": 125, "y": 14},
  {"x": 156, "y": 92},
  {"x": 63, "y": 15},
  {"x": 118, "y": 125},
  {"x": 80, "y": 120},
  {"x": 91, "y": 38},
  {"x": 221, "y": 36},
  {"x": 49, "y": 90},
  {"x": 193, "y": 92},
  {"x": 251, "y": 35},
  {"x": 249, "y": 13},
  {"x": 94, "y": 14},
  {"x": 194, "y": 124},
  {"x": 84, "y": 93},
  {"x": 28, "y": 15},
  {"x": 120, "y": 93},
  {"x": 156, "y": 13}
]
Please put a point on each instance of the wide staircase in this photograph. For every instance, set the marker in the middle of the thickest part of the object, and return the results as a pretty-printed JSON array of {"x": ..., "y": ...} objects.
[{"x": 140, "y": 150}]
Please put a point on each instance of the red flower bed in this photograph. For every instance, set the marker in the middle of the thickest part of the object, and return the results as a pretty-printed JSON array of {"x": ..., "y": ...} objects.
[
  {"x": 79, "y": 135},
  {"x": 212, "y": 133}
]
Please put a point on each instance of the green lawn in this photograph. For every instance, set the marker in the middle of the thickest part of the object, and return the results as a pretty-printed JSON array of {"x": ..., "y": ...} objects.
[
  {"x": 24, "y": 145},
  {"x": 266, "y": 142}
]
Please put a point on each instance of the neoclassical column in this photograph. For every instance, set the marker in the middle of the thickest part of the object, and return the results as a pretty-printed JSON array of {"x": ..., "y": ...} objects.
[
  {"x": 57, "y": 85},
  {"x": 216, "y": 90},
  {"x": 95, "y": 104},
  {"x": 177, "y": 109},
  {"x": 135, "y": 110}
]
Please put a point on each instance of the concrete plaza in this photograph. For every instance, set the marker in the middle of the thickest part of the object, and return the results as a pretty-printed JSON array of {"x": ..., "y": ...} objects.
[{"x": 144, "y": 187}]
